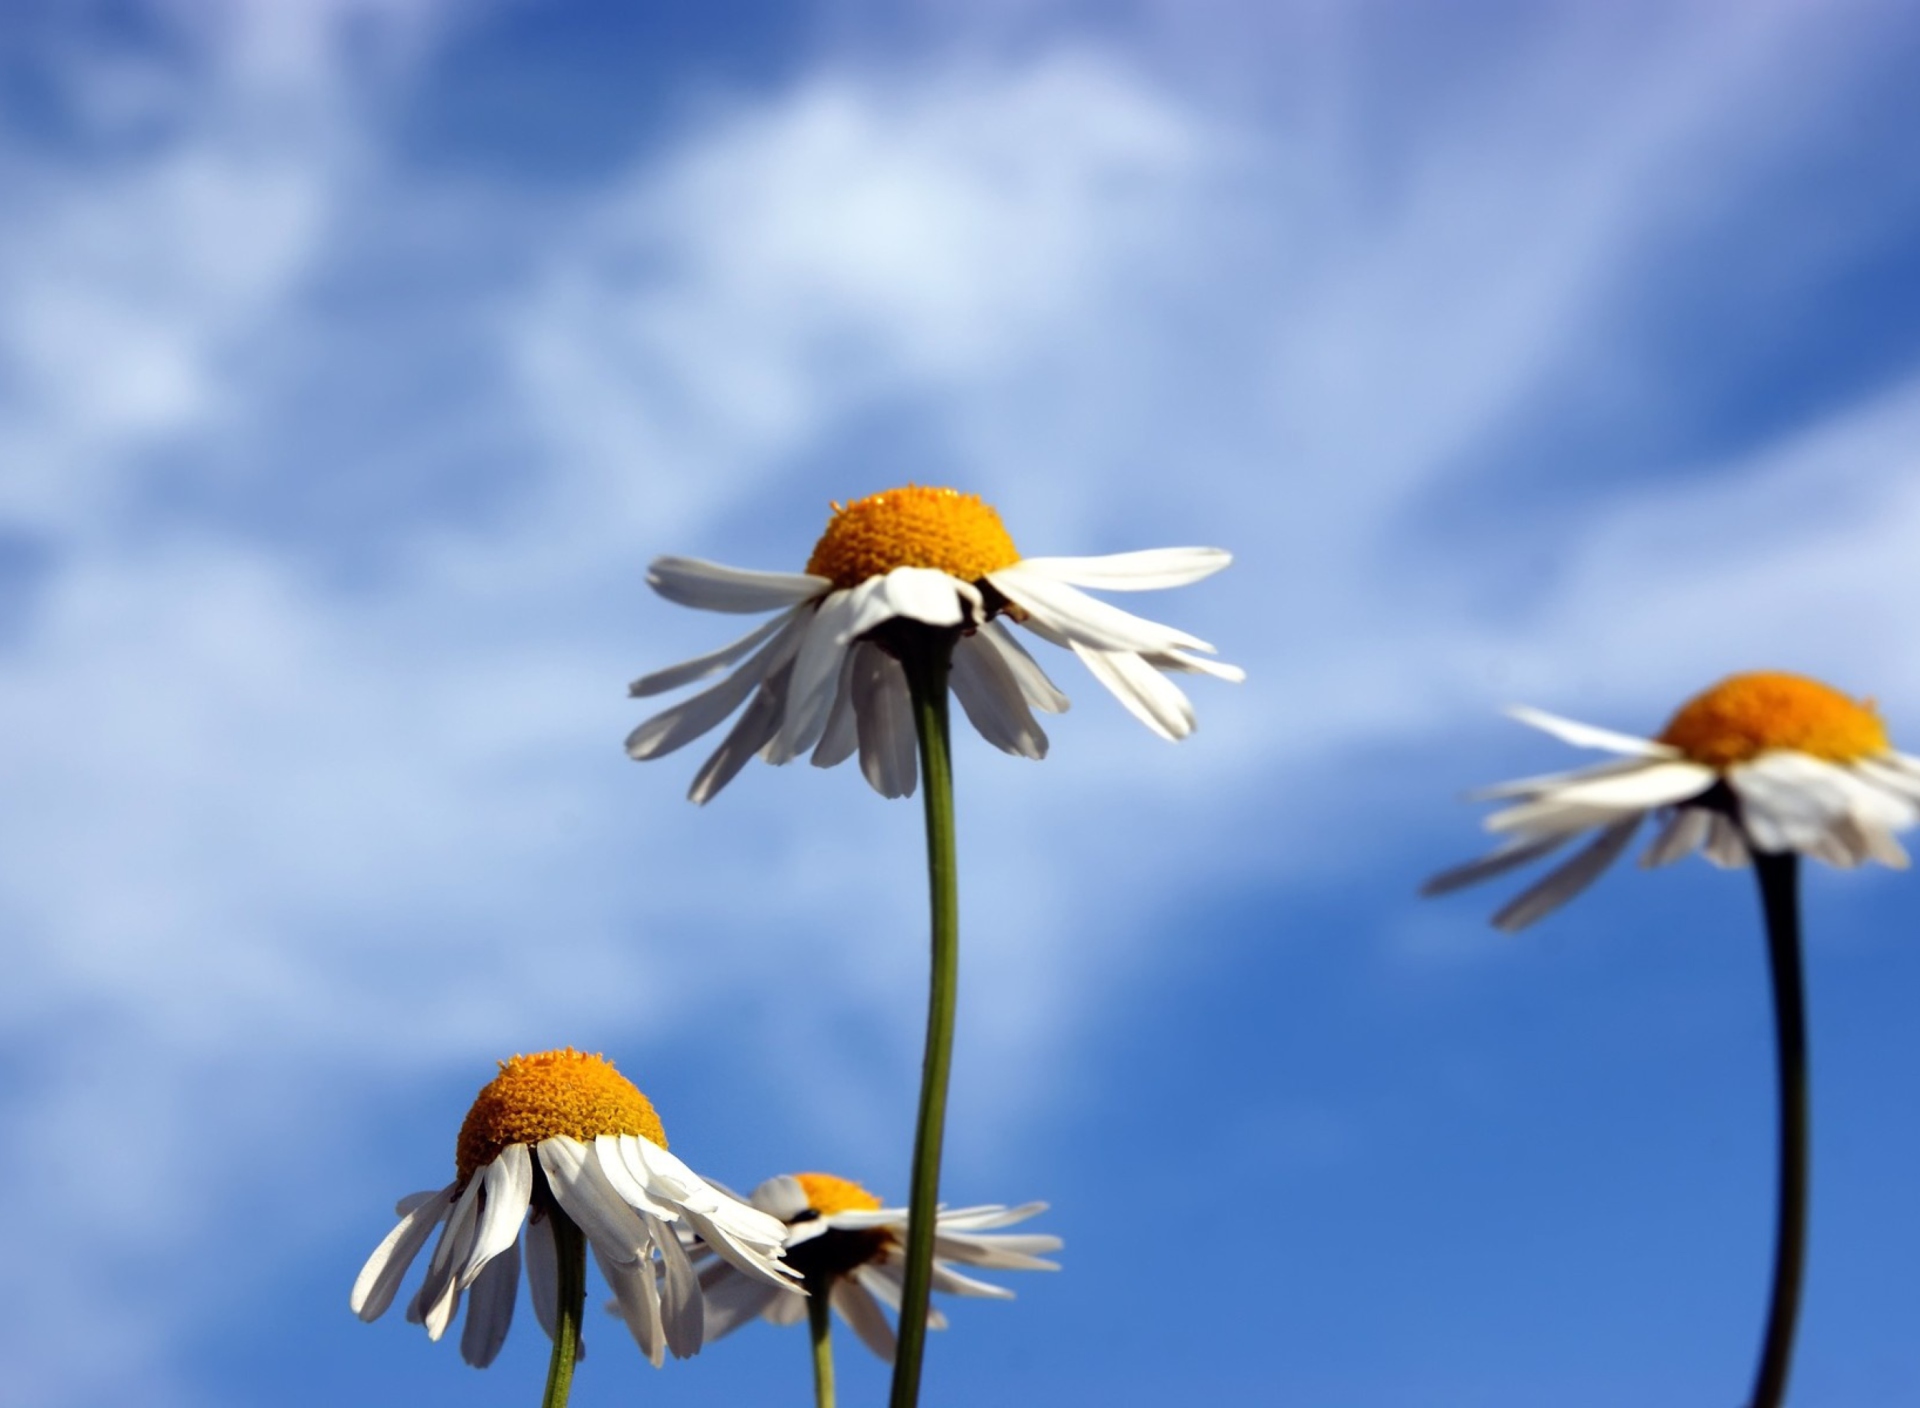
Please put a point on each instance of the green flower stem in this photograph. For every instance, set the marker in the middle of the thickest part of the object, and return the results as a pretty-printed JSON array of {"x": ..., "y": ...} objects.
[
  {"x": 820, "y": 1328},
  {"x": 570, "y": 1250},
  {"x": 1779, "y": 876},
  {"x": 927, "y": 659}
]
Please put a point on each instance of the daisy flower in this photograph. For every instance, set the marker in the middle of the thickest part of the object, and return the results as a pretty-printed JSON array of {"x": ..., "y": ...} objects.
[
  {"x": 561, "y": 1144},
  {"x": 845, "y": 1245},
  {"x": 821, "y": 676},
  {"x": 1764, "y": 762}
]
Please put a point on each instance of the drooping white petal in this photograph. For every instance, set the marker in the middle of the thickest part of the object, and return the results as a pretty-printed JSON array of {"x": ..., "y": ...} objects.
[
  {"x": 780, "y": 1196},
  {"x": 992, "y": 700},
  {"x": 1014, "y": 1252},
  {"x": 1680, "y": 837},
  {"x": 1652, "y": 784},
  {"x": 709, "y": 586},
  {"x": 985, "y": 1216},
  {"x": 506, "y": 1186},
  {"x": 1788, "y": 801},
  {"x": 1181, "y": 661},
  {"x": 859, "y": 1309},
  {"x": 1147, "y": 694},
  {"x": 1150, "y": 570},
  {"x": 1568, "y": 879},
  {"x": 788, "y": 1307},
  {"x": 585, "y": 1195},
  {"x": 883, "y": 717},
  {"x": 925, "y": 595},
  {"x": 751, "y": 732},
  {"x": 620, "y": 1161},
  {"x": 732, "y": 1299},
  {"x": 490, "y": 1307},
  {"x": 816, "y": 669},
  {"x": 682, "y": 1305},
  {"x": 737, "y": 1231},
  {"x": 1040, "y": 692},
  {"x": 637, "y": 1295},
  {"x": 1072, "y": 613},
  {"x": 950, "y": 1282},
  {"x": 374, "y": 1287},
  {"x": 701, "y": 666},
  {"x": 439, "y": 1295},
  {"x": 675, "y": 727},
  {"x": 1725, "y": 847},
  {"x": 1542, "y": 784},
  {"x": 1587, "y": 736},
  {"x": 841, "y": 736},
  {"x": 1510, "y": 856},
  {"x": 543, "y": 1273}
]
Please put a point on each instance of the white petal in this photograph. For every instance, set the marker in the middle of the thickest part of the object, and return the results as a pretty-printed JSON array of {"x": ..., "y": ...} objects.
[
  {"x": 490, "y": 1307},
  {"x": 788, "y": 1308},
  {"x": 1653, "y": 784},
  {"x": 673, "y": 728},
  {"x": 859, "y": 1309},
  {"x": 1680, "y": 837},
  {"x": 1148, "y": 695},
  {"x": 586, "y": 1196},
  {"x": 883, "y": 715},
  {"x": 1150, "y": 570},
  {"x": 1568, "y": 879},
  {"x": 1726, "y": 847},
  {"x": 374, "y": 1287},
  {"x": 1002, "y": 1253},
  {"x": 1040, "y": 692},
  {"x": 840, "y": 737},
  {"x": 751, "y": 732},
  {"x": 991, "y": 698},
  {"x": 781, "y": 1197},
  {"x": 1587, "y": 736},
  {"x": 620, "y": 1161},
  {"x": 682, "y": 1306},
  {"x": 985, "y": 1215},
  {"x": 950, "y": 1282},
  {"x": 543, "y": 1273},
  {"x": 438, "y": 1298},
  {"x": 1543, "y": 783},
  {"x": 708, "y": 586},
  {"x": 638, "y": 1296},
  {"x": 816, "y": 669},
  {"x": 1513, "y": 854},
  {"x": 1195, "y": 665},
  {"x": 1788, "y": 801},
  {"x": 1079, "y": 617},
  {"x": 506, "y": 1186},
  {"x": 733, "y": 1299},
  {"x": 922, "y": 594},
  {"x": 701, "y": 666}
]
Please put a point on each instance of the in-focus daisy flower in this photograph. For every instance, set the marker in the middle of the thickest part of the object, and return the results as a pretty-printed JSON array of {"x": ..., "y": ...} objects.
[
  {"x": 820, "y": 675},
  {"x": 557, "y": 1142},
  {"x": 845, "y": 1245},
  {"x": 1764, "y": 762}
]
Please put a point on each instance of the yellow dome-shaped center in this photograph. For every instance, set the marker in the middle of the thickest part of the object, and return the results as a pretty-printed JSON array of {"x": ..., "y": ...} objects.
[
  {"x": 1747, "y": 715},
  {"x": 556, "y": 1092},
  {"x": 917, "y": 526},
  {"x": 828, "y": 1195}
]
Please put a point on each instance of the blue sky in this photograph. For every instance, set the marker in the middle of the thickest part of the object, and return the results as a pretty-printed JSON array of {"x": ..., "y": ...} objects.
[{"x": 355, "y": 357}]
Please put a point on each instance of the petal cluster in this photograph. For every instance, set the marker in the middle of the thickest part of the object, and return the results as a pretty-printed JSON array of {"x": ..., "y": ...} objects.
[
  {"x": 813, "y": 679},
  {"x": 1841, "y": 810},
  {"x": 871, "y": 1243},
  {"x": 631, "y": 1199}
]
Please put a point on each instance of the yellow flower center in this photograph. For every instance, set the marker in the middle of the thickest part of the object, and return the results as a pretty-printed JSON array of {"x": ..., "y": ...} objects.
[
  {"x": 1747, "y": 715},
  {"x": 917, "y": 526},
  {"x": 828, "y": 1195},
  {"x": 556, "y": 1092}
]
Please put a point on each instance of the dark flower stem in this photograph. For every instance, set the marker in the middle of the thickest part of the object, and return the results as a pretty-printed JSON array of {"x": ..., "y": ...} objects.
[
  {"x": 1779, "y": 876},
  {"x": 820, "y": 1330},
  {"x": 570, "y": 1251},
  {"x": 927, "y": 657}
]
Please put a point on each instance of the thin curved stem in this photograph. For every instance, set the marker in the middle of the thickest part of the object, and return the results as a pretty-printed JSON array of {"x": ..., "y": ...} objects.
[
  {"x": 820, "y": 1330},
  {"x": 927, "y": 662},
  {"x": 570, "y": 1252},
  {"x": 1779, "y": 877}
]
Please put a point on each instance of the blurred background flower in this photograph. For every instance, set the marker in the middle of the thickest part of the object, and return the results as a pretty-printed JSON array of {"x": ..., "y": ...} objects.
[{"x": 355, "y": 359}]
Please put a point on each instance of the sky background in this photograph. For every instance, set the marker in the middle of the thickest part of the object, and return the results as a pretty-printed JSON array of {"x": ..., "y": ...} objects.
[{"x": 355, "y": 358}]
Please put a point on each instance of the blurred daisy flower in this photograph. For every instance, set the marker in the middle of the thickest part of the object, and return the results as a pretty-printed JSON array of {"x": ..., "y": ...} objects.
[
  {"x": 847, "y": 1247},
  {"x": 563, "y": 1145},
  {"x": 1763, "y": 762},
  {"x": 820, "y": 677}
]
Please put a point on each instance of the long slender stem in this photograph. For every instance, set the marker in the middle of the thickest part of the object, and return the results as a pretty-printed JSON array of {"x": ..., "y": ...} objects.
[
  {"x": 570, "y": 1251},
  {"x": 1779, "y": 876},
  {"x": 927, "y": 665},
  {"x": 820, "y": 1329}
]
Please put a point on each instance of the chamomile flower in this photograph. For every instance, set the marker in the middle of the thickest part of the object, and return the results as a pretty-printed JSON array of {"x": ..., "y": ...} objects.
[
  {"x": 1762, "y": 762},
  {"x": 845, "y": 1245},
  {"x": 819, "y": 676},
  {"x": 563, "y": 1135}
]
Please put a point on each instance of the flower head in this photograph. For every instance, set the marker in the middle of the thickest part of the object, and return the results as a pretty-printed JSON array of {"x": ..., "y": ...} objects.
[
  {"x": 563, "y": 1132},
  {"x": 820, "y": 676},
  {"x": 841, "y": 1240},
  {"x": 1766, "y": 762}
]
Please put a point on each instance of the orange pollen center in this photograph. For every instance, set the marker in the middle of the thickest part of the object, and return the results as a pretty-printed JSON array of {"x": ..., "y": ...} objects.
[
  {"x": 556, "y": 1092},
  {"x": 828, "y": 1195},
  {"x": 1746, "y": 715},
  {"x": 917, "y": 526}
]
